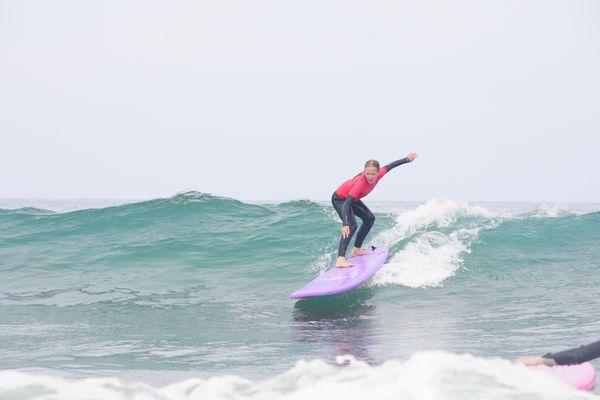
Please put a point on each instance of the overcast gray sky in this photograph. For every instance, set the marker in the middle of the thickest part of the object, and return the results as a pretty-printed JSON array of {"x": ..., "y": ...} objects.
[{"x": 287, "y": 99}]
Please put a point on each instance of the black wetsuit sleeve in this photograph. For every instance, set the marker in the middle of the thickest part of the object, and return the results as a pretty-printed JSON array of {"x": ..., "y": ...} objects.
[
  {"x": 346, "y": 207},
  {"x": 396, "y": 163},
  {"x": 577, "y": 355}
]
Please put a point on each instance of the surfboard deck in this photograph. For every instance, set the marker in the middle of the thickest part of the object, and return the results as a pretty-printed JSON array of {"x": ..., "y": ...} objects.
[
  {"x": 580, "y": 376},
  {"x": 340, "y": 280}
]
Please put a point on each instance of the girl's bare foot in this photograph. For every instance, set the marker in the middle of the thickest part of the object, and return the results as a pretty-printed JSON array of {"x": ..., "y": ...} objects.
[
  {"x": 343, "y": 263},
  {"x": 357, "y": 251}
]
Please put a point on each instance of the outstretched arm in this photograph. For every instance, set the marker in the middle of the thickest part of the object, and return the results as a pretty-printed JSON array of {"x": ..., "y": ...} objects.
[
  {"x": 401, "y": 161},
  {"x": 576, "y": 355}
]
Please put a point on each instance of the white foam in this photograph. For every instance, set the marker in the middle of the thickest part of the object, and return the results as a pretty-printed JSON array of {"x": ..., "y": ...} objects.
[
  {"x": 428, "y": 260},
  {"x": 551, "y": 211},
  {"x": 428, "y": 375},
  {"x": 441, "y": 213},
  {"x": 432, "y": 255},
  {"x": 323, "y": 262}
]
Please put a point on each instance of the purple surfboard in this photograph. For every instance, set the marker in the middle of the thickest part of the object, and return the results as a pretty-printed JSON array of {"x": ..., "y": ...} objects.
[{"x": 339, "y": 280}]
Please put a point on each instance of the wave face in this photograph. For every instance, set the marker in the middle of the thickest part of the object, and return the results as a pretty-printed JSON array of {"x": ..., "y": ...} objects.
[{"x": 198, "y": 285}]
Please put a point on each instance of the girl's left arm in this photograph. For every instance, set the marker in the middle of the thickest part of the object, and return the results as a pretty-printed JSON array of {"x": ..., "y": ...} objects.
[{"x": 401, "y": 161}]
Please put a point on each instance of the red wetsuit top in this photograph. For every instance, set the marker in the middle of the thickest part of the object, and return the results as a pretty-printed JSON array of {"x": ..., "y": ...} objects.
[{"x": 358, "y": 187}]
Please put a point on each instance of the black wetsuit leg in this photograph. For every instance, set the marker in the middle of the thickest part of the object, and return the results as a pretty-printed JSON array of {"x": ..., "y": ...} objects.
[
  {"x": 577, "y": 355},
  {"x": 362, "y": 211},
  {"x": 338, "y": 204}
]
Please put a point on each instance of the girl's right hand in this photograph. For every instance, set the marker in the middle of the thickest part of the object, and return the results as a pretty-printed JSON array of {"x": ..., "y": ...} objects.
[{"x": 345, "y": 231}]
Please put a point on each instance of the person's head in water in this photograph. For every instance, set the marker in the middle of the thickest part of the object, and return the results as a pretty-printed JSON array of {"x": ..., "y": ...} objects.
[{"x": 371, "y": 170}]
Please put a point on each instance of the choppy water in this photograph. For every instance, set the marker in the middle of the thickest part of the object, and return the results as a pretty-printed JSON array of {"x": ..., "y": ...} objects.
[{"x": 187, "y": 297}]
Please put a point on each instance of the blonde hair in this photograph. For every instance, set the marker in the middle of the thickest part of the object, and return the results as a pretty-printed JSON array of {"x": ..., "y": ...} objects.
[{"x": 372, "y": 163}]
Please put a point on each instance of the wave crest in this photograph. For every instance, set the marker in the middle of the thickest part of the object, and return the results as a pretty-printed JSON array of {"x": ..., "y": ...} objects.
[
  {"x": 440, "y": 232},
  {"x": 428, "y": 260},
  {"x": 438, "y": 213}
]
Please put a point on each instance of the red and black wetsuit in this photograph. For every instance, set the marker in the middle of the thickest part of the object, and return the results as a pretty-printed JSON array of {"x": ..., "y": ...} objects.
[{"x": 347, "y": 203}]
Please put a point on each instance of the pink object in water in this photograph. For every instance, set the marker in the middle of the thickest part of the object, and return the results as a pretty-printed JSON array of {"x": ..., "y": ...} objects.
[
  {"x": 580, "y": 376},
  {"x": 339, "y": 280}
]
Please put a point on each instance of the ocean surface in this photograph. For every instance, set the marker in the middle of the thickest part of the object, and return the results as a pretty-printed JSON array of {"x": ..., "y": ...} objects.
[{"x": 187, "y": 297}]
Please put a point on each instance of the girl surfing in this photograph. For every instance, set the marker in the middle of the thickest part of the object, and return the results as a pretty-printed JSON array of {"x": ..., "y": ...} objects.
[{"x": 347, "y": 203}]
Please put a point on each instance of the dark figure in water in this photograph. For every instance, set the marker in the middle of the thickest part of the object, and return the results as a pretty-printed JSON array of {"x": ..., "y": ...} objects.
[
  {"x": 576, "y": 355},
  {"x": 347, "y": 203}
]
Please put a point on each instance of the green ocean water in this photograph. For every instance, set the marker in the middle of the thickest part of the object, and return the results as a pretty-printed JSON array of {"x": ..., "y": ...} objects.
[{"x": 198, "y": 286}]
